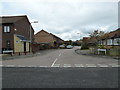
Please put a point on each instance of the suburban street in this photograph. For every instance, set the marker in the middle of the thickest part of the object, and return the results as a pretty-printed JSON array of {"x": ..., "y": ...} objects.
[
  {"x": 61, "y": 58},
  {"x": 59, "y": 44},
  {"x": 75, "y": 71}
]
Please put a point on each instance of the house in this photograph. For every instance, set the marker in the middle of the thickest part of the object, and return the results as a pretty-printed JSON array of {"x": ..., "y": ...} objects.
[
  {"x": 57, "y": 40},
  {"x": 48, "y": 40},
  {"x": 16, "y": 34},
  {"x": 111, "y": 39},
  {"x": 92, "y": 41},
  {"x": 111, "y": 42}
]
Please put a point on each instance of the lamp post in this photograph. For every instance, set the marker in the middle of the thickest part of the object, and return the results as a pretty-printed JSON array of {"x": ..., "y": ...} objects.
[{"x": 31, "y": 34}]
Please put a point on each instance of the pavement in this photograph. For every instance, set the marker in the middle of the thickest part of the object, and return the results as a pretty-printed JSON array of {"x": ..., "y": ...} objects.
[
  {"x": 89, "y": 53},
  {"x": 23, "y": 56}
]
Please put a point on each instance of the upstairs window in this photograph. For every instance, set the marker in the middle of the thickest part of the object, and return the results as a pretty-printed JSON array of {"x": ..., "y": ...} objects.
[{"x": 6, "y": 28}]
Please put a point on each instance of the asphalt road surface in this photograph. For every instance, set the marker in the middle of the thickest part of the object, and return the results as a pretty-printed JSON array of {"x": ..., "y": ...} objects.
[
  {"x": 60, "y": 68},
  {"x": 61, "y": 58},
  {"x": 59, "y": 77}
]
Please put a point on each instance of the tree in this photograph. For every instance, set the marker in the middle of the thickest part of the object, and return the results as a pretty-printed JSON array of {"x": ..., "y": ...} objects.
[{"x": 96, "y": 33}]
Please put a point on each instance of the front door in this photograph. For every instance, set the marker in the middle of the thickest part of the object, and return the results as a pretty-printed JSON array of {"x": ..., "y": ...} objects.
[{"x": 24, "y": 46}]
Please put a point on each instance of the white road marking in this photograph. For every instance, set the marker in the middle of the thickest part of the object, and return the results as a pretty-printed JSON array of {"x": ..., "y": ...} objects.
[
  {"x": 54, "y": 62},
  {"x": 114, "y": 65},
  {"x": 43, "y": 66},
  {"x": 56, "y": 65},
  {"x": 79, "y": 65},
  {"x": 23, "y": 66},
  {"x": 59, "y": 54},
  {"x": 20, "y": 66},
  {"x": 1, "y": 65},
  {"x": 102, "y": 65},
  {"x": 9, "y": 66},
  {"x": 67, "y": 65},
  {"x": 91, "y": 65}
]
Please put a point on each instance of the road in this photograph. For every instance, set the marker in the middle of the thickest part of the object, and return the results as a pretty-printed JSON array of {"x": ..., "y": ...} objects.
[
  {"x": 61, "y": 58},
  {"x": 44, "y": 77},
  {"x": 60, "y": 68}
]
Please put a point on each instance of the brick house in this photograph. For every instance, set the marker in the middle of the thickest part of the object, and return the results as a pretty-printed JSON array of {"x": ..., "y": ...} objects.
[
  {"x": 47, "y": 39},
  {"x": 111, "y": 42},
  {"x": 15, "y": 32},
  {"x": 57, "y": 40},
  {"x": 111, "y": 39}
]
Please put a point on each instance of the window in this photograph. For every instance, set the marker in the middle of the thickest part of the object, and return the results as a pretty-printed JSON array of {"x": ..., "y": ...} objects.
[
  {"x": 6, "y": 28},
  {"x": 109, "y": 42},
  {"x": 104, "y": 42},
  {"x": 117, "y": 41},
  {"x": 8, "y": 43}
]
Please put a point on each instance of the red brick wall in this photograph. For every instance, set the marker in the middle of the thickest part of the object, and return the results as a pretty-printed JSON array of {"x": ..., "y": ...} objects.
[
  {"x": 8, "y": 36},
  {"x": 23, "y": 28}
]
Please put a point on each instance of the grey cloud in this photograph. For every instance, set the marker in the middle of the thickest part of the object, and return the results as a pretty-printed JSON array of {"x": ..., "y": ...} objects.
[{"x": 65, "y": 18}]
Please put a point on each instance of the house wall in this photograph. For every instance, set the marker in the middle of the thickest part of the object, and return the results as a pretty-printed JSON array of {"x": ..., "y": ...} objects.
[
  {"x": 44, "y": 37},
  {"x": 19, "y": 46},
  {"x": 58, "y": 41},
  {"x": 8, "y": 36},
  {"x": 23, "y": 28},
  {"x": 27, "y": 46}
]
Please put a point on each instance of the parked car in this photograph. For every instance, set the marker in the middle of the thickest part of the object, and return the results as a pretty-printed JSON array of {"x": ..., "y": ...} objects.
[
  {"x": 69, "y": 46},
  {"x": 62, "y": 46}
]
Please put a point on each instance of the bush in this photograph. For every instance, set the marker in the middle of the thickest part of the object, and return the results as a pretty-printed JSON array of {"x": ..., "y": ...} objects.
[{"x": 84, "y": 46}]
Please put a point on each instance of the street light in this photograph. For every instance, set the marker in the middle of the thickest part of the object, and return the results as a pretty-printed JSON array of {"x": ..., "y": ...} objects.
[
  {"x": 31, "y": 30},
  {"x": 31, "y": 34},
  {"x": 34, "y": 22}
]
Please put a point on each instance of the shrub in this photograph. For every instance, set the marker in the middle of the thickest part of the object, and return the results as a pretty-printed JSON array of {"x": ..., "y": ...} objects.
[{"x": 84, "y": 46}]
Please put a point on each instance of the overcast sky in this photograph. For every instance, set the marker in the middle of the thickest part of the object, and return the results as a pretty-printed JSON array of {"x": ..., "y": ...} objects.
[{"x": 66, "y": 18}]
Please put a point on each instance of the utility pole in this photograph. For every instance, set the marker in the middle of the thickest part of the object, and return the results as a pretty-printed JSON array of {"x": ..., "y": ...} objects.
[{"x": 31, "y": 34}]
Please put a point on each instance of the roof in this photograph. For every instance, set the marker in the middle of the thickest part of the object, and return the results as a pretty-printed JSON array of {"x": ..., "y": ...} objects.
[
  {"x": 92, "y": 40},
  {"x": 11, "y": 19},
  {"x": 111, "y": 35},
  {"x": 22, "y": 38},
  {"x": 41, "y": 31},
  {"x": 85, "y": 38},
  {"x": 115, "y": 34},
  {"x": 56, "y": 37},
  {"x": 49, "y": 34}
]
